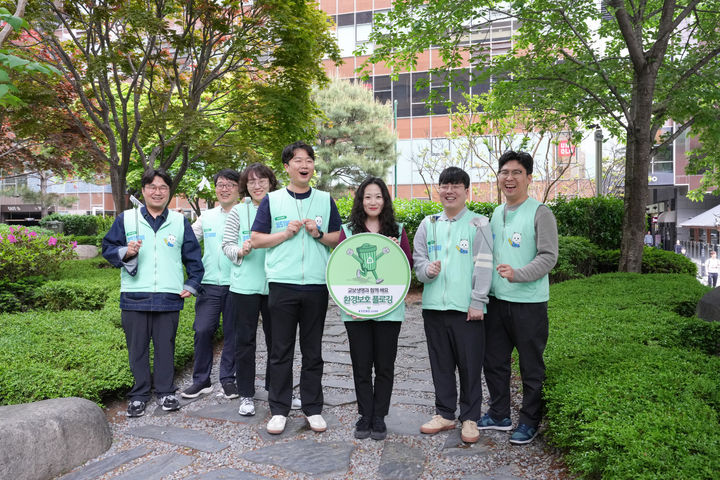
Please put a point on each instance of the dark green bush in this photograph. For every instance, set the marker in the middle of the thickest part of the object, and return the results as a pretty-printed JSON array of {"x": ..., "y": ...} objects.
[
  {"x": 625, "y": 398},
  {"x": 654, "y": 260},
  {"x": 70, "y": 295},
  {"x": 17, "y": 295},
  {"x": 74, "y": 224},
  {"x": 699, "y": 334},
  {"x": 599, "y": 219},
  {"x": 576, "y": 259}
]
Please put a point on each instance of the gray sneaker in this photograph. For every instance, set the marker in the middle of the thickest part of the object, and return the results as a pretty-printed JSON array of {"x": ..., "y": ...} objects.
[
  {"x": 169, "y": 403},
  {"x": 247, "y": 407},
  {"x": 295, "y": 403}
]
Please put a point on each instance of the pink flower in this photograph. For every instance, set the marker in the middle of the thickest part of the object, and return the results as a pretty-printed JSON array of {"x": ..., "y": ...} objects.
[
  {"x": 33, "y": 234},
  {"x": 12, "y": 230},
  {"x": 1, "y": 238},
  {"x": 52, "y": 241},
  {"x": 74, "y": 244},
  {"x": 11, "y": 238}
]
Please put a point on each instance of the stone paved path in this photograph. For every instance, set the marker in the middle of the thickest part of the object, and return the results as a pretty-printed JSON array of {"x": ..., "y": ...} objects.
[{"x": 207, "y": 439}]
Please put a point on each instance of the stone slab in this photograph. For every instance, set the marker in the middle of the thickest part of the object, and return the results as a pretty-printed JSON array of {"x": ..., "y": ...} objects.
[
  {"x": 502, "y": 473},
  {"x": 335, "y": 399},
  {"x": 101, "y": 467},
  {"x": 408, "y": 400},
  {"x": 306, "y": 456},
  {"x": 158, "y": 467},
  {"x": 296, "y": 425},
  {"x": 332, "y": 357},
  {"x": 229, "y": 412},
  {"x": 400, "y": 462},
  {"x": 75, "y": 427},
  {"x": 334, "y": 330},
  {"x": 455, "y": 447},
  {"x": 405, "y": 422},
  {"x": 228, "y": 474},
  {"x": 179, "y": 436},
  {"x": 338, "y": 382},
  {"x": 414, "y": 386}
]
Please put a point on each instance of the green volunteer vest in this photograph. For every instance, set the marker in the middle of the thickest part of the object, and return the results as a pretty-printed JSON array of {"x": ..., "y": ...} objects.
[
  {"x": 216, "y": 264},
  {"x": 160, "y": 268},
  {"x": 397, "y": 315},
  {"x": 514, "y": 244},
  {"x": 452, "y": 288},
  {"x": 300, "y": 260},
  {"x": 249, "y": 277}
]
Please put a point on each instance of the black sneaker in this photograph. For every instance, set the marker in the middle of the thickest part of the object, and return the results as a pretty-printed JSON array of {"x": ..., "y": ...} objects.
[
  {"x": 362, "y": 428},
  {"x": 379, "y": 430},
  {"x": 136, "y": 408},
  {"x": 169, "y": 403},
  {"x": 197, "y": 389},
  {"x": 230, "y": 390}
]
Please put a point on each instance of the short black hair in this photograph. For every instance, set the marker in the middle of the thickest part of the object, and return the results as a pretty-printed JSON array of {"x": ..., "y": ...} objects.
[
  {"x": 454, "y": 175},
  {"x": 228, "y": 173},
  {"x": 523, "y": 158},
  {"x": 258, "y": 170},
  {"x": 149, "y": 176},
  {"x": 289, "y": 152}
]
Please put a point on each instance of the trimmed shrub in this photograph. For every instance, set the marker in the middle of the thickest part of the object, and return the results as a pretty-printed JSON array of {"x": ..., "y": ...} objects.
[
  {"x": 576, "y": 259},
  {"x": 17, "y": 295},
  {"x": 24, "y": 253},
  {"x": 625, "y": 397},
  {"x": 88, "y": 239},
  {"x": 599, "y": 219},
  {"x": 74, "y": 224},
  {"x": 654, "y": 261},
  {"x": 70, "y": 295}
]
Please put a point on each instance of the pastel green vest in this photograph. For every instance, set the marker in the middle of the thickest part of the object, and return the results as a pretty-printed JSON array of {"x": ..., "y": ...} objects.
[
  {"x": 397, "y": 315},
  {"x": 452, "y": 288},
  {"x": 300, "y": 260},
  {"x": 514, "y": 244},
  {"x": 248, "y": 278},
  {"x": 160, "y": 268},
  {"x": 216, "y": 264}
]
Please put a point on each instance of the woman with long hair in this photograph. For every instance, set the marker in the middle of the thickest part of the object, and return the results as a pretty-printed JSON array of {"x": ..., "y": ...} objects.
[{"x": 373, "y": 342}]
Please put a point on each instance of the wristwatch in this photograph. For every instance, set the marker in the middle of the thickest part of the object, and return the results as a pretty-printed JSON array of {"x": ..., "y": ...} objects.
[{"x": 319, "y": 236}]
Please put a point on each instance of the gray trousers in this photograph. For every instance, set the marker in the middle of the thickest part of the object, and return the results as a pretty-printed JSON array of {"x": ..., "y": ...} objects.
[
  {"x": 140, "y": 328},
  {"x": 455, "y": 344},
  {"x": 523, "y": 326}
]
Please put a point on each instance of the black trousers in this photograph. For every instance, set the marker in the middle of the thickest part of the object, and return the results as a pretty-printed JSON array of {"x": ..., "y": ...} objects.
[
  {"x": 289, "y": 309},
  {"x": 373, "y": 344},
  {"x": 523, "y": 326},
  {"x": 208, "y": 307},
  {"x": 249, "y": 308},
  {"x": 455, "y": 344},
  {"x": 140, "y": 328}
]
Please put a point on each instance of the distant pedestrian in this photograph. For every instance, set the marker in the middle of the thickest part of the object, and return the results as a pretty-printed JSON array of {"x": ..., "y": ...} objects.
[
  {"x": 712, "y": 267},
  {"x": 648, "y": 239},
  {"x": 678, "y": 247}
]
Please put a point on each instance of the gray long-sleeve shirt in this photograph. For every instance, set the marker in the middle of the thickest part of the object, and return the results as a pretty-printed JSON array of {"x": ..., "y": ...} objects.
[{"x": 546, "y": 243}]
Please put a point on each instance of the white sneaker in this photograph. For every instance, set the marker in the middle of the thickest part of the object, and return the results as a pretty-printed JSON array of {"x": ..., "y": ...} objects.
[
  {"x": 295, "y": 403},
  {"x": 276, "y": 425},
  {"x": 317, "y": 423},
  {"x": 247, "y": 407}
]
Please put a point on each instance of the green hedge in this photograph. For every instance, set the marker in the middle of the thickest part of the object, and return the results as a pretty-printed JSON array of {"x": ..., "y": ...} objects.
[
  {"x": 628, "y": 394},
  {"x": 599, "y": 219},
  {"x": 654, "y": 260},
  {"x": 74, "y": 224}
]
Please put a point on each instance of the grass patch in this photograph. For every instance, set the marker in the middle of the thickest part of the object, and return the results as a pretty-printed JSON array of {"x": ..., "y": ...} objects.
[{"x": 628, "y": 396}]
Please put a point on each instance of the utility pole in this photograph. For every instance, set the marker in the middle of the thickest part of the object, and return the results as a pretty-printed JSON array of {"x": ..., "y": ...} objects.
[{"x": 598, "y": 160}]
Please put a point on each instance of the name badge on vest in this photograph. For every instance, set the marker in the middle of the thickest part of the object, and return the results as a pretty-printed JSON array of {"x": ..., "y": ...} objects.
[
  {"x": 281, "y": 222},
  {"x": 133, "y": 236},
  {"x": 208, "y": 233},
  {"x": 244, "y": 236}
]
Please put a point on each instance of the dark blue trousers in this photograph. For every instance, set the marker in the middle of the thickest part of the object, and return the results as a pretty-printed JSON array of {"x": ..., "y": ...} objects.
[
  {"x": 208, "y": 308},
  {"x": 140, "y": 328}
]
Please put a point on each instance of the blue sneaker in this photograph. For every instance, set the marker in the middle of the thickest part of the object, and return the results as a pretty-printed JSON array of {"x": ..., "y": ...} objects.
[
  {"x": 523, "y": 434},
  {"x": 488, "y": 423}
]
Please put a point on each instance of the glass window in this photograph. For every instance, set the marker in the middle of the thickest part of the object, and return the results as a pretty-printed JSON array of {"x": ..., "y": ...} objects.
[
  {"x": 460, "y": 86},
  {"x": 402, "y": 93},
  {"x": 363, "y": 17},
  {"x": 382, "y": 82},
  {"x": 362, "y": 33},
  {"x": 345, "y": 19},
  {"x": 383, "y": 97},
  {"x": 346, "y": 40}
]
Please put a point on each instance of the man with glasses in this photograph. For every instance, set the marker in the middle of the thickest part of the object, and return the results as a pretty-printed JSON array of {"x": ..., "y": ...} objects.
[
  {"x": 151, "y": 244},
  {"x": 525, "y": 250},
  {"x": 298, "y": 225},
  {"x": 453, "y": 259},
  {"x": 215, "y": 300}
]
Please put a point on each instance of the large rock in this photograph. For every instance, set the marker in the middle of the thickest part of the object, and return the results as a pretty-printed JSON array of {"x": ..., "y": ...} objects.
[
  {"x": 43, "y": 439},
  {"x": 708, "y": 308},
  {"x": 86, "y": 251}
]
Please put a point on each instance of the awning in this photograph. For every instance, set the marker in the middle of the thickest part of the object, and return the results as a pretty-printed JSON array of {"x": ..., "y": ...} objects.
[
  {"x": 707, "y": 219},
  {"x": 667, "y": 217}
]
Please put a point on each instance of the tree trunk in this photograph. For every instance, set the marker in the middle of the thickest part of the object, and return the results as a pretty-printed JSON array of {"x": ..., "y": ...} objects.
[
  {"x": 118, "y": 184},
  {"x": 637, "y": 163},
  {"x": 44, "y": 207}
]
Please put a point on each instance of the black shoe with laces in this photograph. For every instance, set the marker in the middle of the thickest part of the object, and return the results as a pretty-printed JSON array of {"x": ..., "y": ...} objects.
[
  {"x": 230, "y": 390},
  {"x": 169, "y": 403},
  {"x": 362, "y": 428},
  {"x": 197, "y": 389},
  {"x": 136, "y": 408},
  {"x": 378, "y": 429}
]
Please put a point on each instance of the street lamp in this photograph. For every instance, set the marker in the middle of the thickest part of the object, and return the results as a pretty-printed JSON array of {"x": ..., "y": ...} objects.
[{"x": 598, "y": 160}]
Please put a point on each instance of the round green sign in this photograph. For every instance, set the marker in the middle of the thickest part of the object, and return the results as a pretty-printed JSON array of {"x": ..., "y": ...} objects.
[{"x": 368, "y": 275}]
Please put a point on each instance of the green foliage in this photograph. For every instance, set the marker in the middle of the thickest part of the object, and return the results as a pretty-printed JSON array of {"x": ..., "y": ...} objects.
[
  {"x": 17, "y": 295},
  {"x": 654, "y": 261},
  {"x": 24, "y": 253},
  {"x": 599, "y": 219},
  {"x": 104, "y": 224},
  {"x": 699, "y": 334},
  {"x": 625, "y": 396},
  {"x": 576, "y": 259},
  {"x": 354, "y": 137},
  {"x": 74, "y": 224},
  {"x": 87, "y": 239},
  {"x": 70, "y": 295}
]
